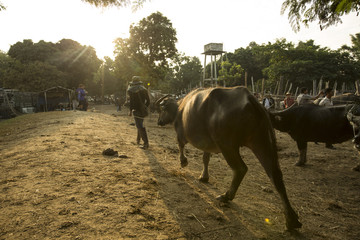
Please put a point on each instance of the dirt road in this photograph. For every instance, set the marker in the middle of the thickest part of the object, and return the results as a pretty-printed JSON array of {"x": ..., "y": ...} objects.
[{"x": 55, "y": 183}]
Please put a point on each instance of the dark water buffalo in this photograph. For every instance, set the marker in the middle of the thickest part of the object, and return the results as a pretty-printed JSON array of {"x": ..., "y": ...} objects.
[
  {"x": 313, "y": 123},
  {"x": 353, "y": 116},
  {"x": 221, "y": 120},
  {"x": 347, "y": 98}
]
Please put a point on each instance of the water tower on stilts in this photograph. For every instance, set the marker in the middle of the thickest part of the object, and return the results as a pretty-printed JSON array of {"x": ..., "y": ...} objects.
[{"x": 213, "y": 50}]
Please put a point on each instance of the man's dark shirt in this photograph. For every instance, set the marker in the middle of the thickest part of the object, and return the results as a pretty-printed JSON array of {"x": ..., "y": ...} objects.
[{"x": 139, "y": 100}]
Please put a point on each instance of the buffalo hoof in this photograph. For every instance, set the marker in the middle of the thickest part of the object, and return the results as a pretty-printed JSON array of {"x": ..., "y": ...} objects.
[
  {"x": 184, "y": 163},
  {"x": 357, "y": 168},
  {"x": 223, "y": 198},
  {"x": 300, "y": 164},
  {"x": 204, "y": 179},
  {"x": 291, "y": 225}
]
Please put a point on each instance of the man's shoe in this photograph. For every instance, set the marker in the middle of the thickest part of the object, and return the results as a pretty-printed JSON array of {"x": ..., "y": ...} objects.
[{"x": 145, "y": 146}]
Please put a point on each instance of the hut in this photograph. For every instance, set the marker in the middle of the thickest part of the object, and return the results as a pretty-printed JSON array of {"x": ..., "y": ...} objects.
[{"x": 54, "y": 99}]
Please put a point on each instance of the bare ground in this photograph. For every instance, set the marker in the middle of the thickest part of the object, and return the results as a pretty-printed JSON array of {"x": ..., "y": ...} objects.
[{"x": 55, "y": 183}]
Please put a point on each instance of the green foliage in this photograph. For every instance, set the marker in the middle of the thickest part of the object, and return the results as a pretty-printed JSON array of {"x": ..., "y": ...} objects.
[
  {"x": 79, "y": 62},
  {"x": 105, "y": 80},
  {"x": 2, "y": 7},
  {"x": 27, "y": 51},
  {"x": 116, "y": 3},
  {"x": 154, "y": 38},
  {"x": 299, "y": 65},
  {"x": 327, "y": 13},
  {"x": 184, "y": 75},
  {"x": 354, "y": 50},
  {"x": 230, "y": 73},
  {"x": 148, "y": 51},
  {"x": 33, "y": 76},
  {"x": 37, "y": 66}
]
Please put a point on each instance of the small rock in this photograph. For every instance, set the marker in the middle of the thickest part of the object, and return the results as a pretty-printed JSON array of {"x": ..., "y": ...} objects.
[{"x": 123, "y": 156}]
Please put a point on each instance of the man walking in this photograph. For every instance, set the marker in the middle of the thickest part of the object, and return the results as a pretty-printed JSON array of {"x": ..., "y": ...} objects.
[{"x": 139, "y": 103}]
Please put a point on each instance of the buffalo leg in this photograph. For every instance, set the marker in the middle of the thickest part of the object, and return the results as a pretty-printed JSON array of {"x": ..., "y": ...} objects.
[
  {"x": 233, "y": 158},
  {"x": 302, "y": 146},
  {"x": 183, "y": 159},
  {"x": 265, "y": 151},
  {"x": 204, "y": 177}
]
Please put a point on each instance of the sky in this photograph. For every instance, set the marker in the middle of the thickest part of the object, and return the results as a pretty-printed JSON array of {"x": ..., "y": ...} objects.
[{"x": 235, "y": 23}]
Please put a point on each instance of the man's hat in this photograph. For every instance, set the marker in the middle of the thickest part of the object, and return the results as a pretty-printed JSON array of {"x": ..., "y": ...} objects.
[{"x": 135, "y": 81}]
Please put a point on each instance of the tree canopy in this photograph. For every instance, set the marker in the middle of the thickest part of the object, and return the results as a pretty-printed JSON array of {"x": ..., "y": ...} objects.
[
  {"x": 2, "y": 7},
  {"x": 148, "y": 51},
  {"x": 298, "y": 64},
  {"x": 115, "y": 3},
  {"x": 326, "y": 12},
  {"x": 36, "y": 66}
]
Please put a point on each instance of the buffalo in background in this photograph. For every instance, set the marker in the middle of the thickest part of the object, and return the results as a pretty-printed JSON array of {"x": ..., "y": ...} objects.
[
  {"x": 346, "y": 98},
  {"x": 313, "y": 123}
]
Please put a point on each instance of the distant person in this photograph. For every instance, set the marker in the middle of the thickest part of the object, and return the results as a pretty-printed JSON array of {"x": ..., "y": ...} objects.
[
  {"x": 289, "y": 100},
  {"x": 268, "y": 101},
  {"x": 83, "y": 104},
  {"x": 305, "y": 98},
  {"x": 139, "y": 103},
  {"x": 317, "y": 101},
  {"x": 117, "y": 104},
  {"x": 74, "y": 99},
  {"x": 326, "y": 101}
]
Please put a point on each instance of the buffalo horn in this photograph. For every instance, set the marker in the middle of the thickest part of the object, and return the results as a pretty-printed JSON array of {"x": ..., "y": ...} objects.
[{"x": 160, "y": 99}]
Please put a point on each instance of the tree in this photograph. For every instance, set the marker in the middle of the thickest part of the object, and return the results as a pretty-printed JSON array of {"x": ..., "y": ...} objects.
[
  {"x": 154, "y": 38},
  {"x": 2, "y": 7},
  {"x": 33, "y": 76},
  {"x": 105, "y": 81},
  {"x": 149, "y": 49},
  {"x": 115, "y": 3},
  {"x": 327, "y": 12},
  {"x": 27, "y": 51},
  {"x": 354, "y": 50},
  {"x": 36, "y": 66},
  {"x": 253, "y": 59},
  {"x": 306, "y": 62},
  {"x": 184, "y": 75},
  {"x": 77, "y": 61},
  {"x": 299, "y": 65},
  {"x": 230, "y": 73},
  {"x": 5, "y": 62}
]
